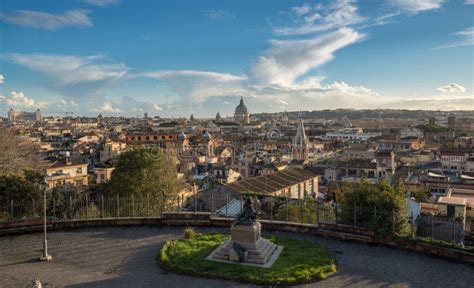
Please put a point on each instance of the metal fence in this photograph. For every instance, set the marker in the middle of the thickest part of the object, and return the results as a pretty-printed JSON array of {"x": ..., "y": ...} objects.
[
  {"x": 438, "y": 228},
  {"x": 305, "y": 211}
]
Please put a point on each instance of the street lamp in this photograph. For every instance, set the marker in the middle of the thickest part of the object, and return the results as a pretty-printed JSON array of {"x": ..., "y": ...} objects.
[{"x": 45, "y": 256}]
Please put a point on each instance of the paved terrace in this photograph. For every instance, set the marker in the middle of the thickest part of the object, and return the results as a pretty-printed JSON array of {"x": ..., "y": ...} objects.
[{"x": 125, "y": 257}]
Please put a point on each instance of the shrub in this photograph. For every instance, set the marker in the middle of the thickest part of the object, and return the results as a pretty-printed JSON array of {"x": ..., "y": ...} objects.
[{"x": 190, "y": 233}]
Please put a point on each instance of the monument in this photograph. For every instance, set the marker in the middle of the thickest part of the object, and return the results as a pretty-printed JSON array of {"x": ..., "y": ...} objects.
[{"x": 246, "y": 245}]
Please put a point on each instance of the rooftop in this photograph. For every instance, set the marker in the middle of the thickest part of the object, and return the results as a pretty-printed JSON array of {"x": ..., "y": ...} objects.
[
  {"x": 452, "y": 201},
  {"x": 272, "y": 182}
]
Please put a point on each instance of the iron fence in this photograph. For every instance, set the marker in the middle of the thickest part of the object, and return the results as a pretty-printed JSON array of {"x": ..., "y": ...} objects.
[
  {"x": 439, "y": 228},
  {"x": 304, "y": 211}
]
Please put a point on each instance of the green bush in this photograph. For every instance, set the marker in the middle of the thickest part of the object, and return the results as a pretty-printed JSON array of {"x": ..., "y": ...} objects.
[{"x": 190, "y": 233}]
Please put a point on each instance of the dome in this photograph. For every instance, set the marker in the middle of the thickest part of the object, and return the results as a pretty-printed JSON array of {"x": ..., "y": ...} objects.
[{"x": 241, "y": 108}]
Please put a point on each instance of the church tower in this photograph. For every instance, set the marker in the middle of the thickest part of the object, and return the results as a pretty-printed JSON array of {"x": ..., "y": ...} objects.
[
  {"x": 183, "y": 143},
  {"x": 300, "y": 143},
  {"x": 11, "y": 115},
  {"x": 209, "y": 144}
]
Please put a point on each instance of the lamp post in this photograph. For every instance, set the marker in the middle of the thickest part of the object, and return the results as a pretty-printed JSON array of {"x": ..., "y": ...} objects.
[{"x": 45, "y": 256}]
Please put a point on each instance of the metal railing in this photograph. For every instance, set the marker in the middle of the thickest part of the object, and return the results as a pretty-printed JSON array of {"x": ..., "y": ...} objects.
[{"x": 304, "y": 211}]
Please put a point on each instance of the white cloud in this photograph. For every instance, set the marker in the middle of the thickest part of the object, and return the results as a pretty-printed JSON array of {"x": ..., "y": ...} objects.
[
  {"x": 315, "y": 94},
  {"x": 318, "y": 18},
  {"x": 68, "y": 70},
  {"x": 48, "y": 21},
  {"x": 18, "y": 99},
  {"x": 101, "y": 3},
  {"x": 107, "y": 108},
  {"x": 279, "y": 71},
  {"x": 467, "y": 32},
  {"x": 301, "y": 10},
  {"x": 452, "y": 88},
  {"x": 466, "y": 38},
  {"x": 220, "y": 77},
  {"x": 469, "y": 2},
  {"x": 381, "y": 20},
  {"x": 415, "y": 6},
  {"x": 128, "y": 105},
  {"x": 286, "y": 60},
  {"x": 433, "y": 103},
  {"x": 157, "y": 107},
  {"x": 198, "y": 85},
  {"x": 2, "y": 79}
]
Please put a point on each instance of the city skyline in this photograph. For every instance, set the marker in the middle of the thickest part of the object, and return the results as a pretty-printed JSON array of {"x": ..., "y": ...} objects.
[{"x": 119, "y": 57}]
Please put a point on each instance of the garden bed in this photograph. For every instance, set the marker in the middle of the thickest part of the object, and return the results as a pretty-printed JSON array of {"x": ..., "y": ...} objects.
[{"x": 300, "y": 262}]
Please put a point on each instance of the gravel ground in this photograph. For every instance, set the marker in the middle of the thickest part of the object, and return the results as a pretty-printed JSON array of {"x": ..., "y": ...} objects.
[{"x": 125, "y": 257}]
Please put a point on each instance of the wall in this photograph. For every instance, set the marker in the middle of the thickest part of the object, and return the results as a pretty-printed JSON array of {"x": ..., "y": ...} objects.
[{"x": 338, "y": 231}]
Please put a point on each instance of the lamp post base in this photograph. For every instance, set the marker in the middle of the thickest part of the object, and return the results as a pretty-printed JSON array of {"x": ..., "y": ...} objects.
[{"x": 46, "y": 258}]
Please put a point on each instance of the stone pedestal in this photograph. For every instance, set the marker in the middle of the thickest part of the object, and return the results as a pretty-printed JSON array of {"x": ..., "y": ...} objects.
[
  {"x": 258, "y": 251},
  {"x": 246, "y": 234}
]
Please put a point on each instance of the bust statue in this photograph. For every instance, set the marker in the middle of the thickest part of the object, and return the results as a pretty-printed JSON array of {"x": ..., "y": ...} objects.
[{"x": 251, "y": 209}]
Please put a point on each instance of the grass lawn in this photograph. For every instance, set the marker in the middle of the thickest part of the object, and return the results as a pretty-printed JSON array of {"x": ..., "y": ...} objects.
[{"x": 300, "y": 261}]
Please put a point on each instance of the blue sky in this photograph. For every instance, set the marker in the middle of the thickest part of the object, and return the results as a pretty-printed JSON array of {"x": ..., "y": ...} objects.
[{"x": 174, "y": 58}]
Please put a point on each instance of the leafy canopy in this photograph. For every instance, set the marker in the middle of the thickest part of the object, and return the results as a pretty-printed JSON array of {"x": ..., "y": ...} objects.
[
  {"x": 380, "y": 206},
  {"x": 143, "y": 171}
]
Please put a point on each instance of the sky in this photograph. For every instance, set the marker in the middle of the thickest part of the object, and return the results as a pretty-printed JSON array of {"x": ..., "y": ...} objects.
[{"x": 177, "y": 57}]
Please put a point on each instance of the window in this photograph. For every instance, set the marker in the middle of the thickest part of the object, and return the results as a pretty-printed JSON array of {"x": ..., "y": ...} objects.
[{"x": 79, "y": 170}]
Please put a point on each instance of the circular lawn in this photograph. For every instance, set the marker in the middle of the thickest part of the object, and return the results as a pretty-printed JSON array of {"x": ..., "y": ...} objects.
[{"x": 300, "y": 262}]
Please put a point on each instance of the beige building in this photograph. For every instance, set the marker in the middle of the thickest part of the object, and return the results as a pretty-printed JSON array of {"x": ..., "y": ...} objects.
[
  {"x": 359, "y": 152},
  {"x": 452, "y": 207},
  {"x": 111, "y": 150},
  {"x": 464, "y": 142},
  {"x": 67, "y": 172},
  {"x": 224, "y": 174},
  {"x": 411, "y": 142},
  {"x": 103, "y": 174}
]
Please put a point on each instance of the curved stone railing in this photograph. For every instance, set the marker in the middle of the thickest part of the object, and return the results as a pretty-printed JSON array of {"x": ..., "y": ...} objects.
[{"x": 338, "y": 231}]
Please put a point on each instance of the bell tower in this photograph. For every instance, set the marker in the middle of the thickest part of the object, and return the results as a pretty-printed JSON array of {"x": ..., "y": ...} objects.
[{"x": 300, "y": 143}]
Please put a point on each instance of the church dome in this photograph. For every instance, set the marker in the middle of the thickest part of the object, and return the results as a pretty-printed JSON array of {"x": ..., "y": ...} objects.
[{"x": 241, "y": 108}]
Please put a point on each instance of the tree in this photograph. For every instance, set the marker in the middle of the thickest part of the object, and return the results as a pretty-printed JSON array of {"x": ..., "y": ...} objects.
[
  {"x": 299, "y": 210},
  {"x": 420, "y": 194},
  {"x": 144, "y": 173},
  {"x": 380, "y": 206},
  {"x": 69, "y": 202},
  {"x": 19, "y": 197},
  {"x": 17, "y": 155}
]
